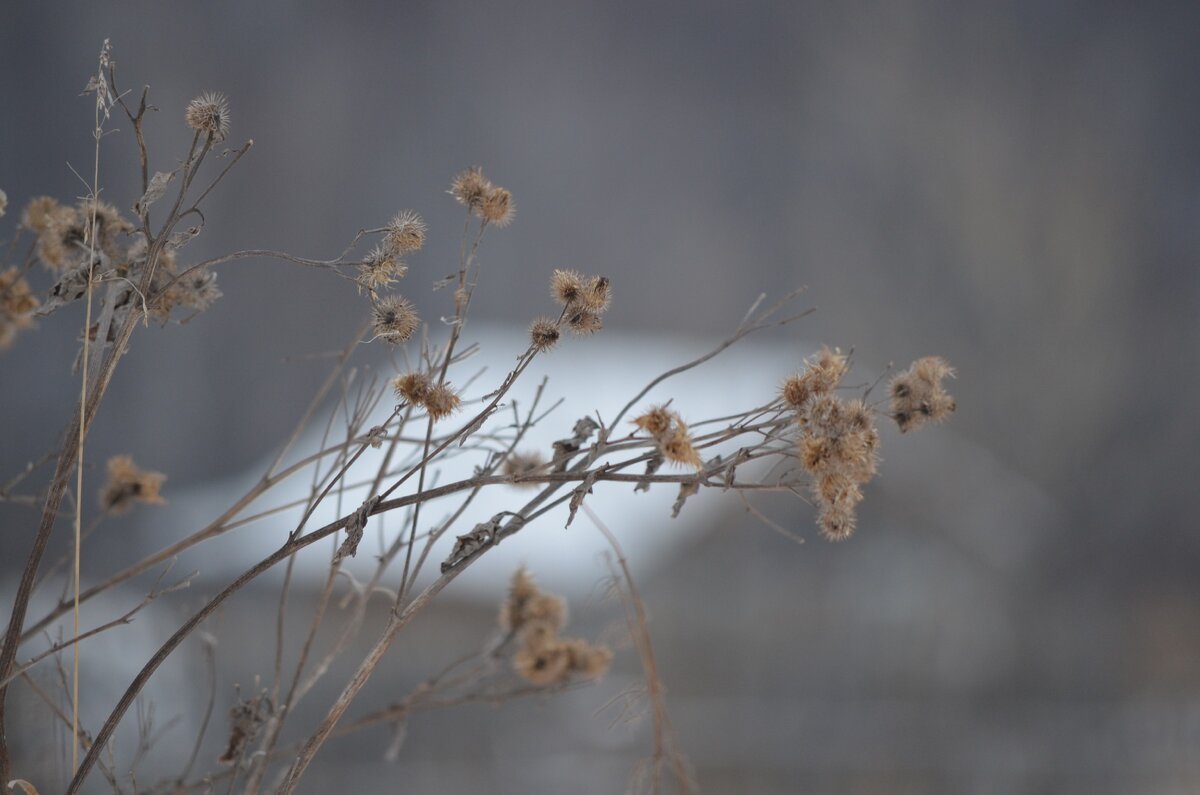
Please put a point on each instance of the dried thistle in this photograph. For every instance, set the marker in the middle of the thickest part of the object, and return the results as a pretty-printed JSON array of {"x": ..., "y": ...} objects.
[
  {"x": 837, "y": 496},
  {"x": 676, "y": 446},
  {"x": 671, "y": 433},
  {"x": 918, "y": 396},
  {"x": 127, "y": 484},
  {"x": 209, "y": 114},
  {"x": 588, "y": 660},
  {"x": 406, "y": 233},
  {"x": 497, "y": 207},
  {"x": 380, "y": 268},
  {"x": 394, "y": 319},
  {"x": 567, "y": 286},
  {"x": 584, "y": 322},
  {"x": 521, "y": 589},
  {"x": 110, "y": 226},
  {"x": 544, "y": 334},
  {"x": 246, "y": 719},
  {"x": 37, "y": 213},
  {"x": 544, "y": 658},
  {"x": 60, "y": 232},
  {"x": 546, "y": 664},
  {"x": 3, "y": 203},
  {"x": 17, "y": 305},
  {"x": 469, "y": 188},
  {"x": 597, "y": 295},
  {"x": 441, "y": 401},
  {"x": 412, "y": 387},
  {"x": 527, "y": 604},
  {"x": 656, "y": 421},
  {"x": 197, "y": 290},
  {"x": 839, "y": 446},
  {"x": 821, "y": 376},
  {"x": 521, "y": 464}
]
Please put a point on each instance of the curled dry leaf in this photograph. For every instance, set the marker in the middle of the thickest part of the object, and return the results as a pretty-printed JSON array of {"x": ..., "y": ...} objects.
[{"x": 154, "y": 191}]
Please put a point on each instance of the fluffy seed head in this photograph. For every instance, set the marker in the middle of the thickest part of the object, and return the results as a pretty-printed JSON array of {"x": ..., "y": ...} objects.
[
  {"x": 209, "y": 113},
  {"x": 37, "y": 213},
  {"x": 380, "y": 268},
  {"x": 795, "y": 391},
  {"x": 198, "y": 290},
  {"x": 412, "y": 387},
  {"x": 584, "y": 322},
  {"x": 677, "y": 446},
  {"x": 441, "y": 401},
  {"x": 526, "y": 463},
  {"x": 406, "y": 233},
  {"x": 127, "y": 484},
  {"x": 547, "y": 664},
  {"x": 821, "y": 375},
  {"x": 545, "y": 608},
  {"x": 588, "y": 661},
  {"x": 597, "y": 295},
  {"x": 521, "y": 589},
  {"x": 918, "y": 395},
  {"x": 17, "y": 304},
  {"x": 537, "y": 634},
  {"x": 567, "y": 286},
  {"x": 656, "y": 421},
  {"x": 110, "y": 224},
  {"x": 836, "y": 524},
  {"x": 497, "y": 207},
  {"x": 469, "y": 188},
  {"x": 544, "y": 334},
  {"x": 394, "y": 319},
  {"x": 61, "y": 233}
]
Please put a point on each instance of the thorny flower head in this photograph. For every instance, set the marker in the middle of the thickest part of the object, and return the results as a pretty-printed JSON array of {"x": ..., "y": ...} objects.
[
  {"x": 518, "y": 464},
  {"x": 394, "y": 319},
  {"x": 498, "y": 208},
  {"x": 491, "y": 203},
  {"x": 838, "y": 444},
  {"x": 406, "y": 233},
  {"x": 17, "y": 305},
  {"x": 418, "y": 389},
  {"x": 584, "y": 321},
  {"x": 584, "y": 300},
  {"x": 209, "y": 113},
  {"x": 469, "y": 188},
  {"x": 37, "y": 213},
  {"x": 918, "y": 396},
  {"x": 412, "y": 387},
  {"x": 544, "y": 334},
  {"x": 544, "y": 658},
  {"x": 441, "y": 401},
  {"x": 677, "y": 446},
  {"x": 380, "y": 268},
  {"x": 821, "y": 375},
  {"x": 127, "y": 484},
  {"x": 566, "y": 286},
  {"x": 597, "y": 295},
  {"x": 656, "y": 421},
  {"x": 64, "y": 232},
  {"x": 671, "y": 433},
  {"x": 526, "y": 603}
]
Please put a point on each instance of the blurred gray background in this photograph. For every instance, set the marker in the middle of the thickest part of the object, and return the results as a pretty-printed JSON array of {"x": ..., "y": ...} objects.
[{"x": 1012, "y": 187}]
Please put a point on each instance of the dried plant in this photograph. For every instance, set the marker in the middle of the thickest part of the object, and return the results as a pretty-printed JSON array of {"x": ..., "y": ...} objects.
[{"x": 813, "y": 438}]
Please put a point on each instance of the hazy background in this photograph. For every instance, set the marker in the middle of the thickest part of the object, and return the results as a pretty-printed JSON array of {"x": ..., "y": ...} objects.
[{"x": 1013, "y": 188}]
